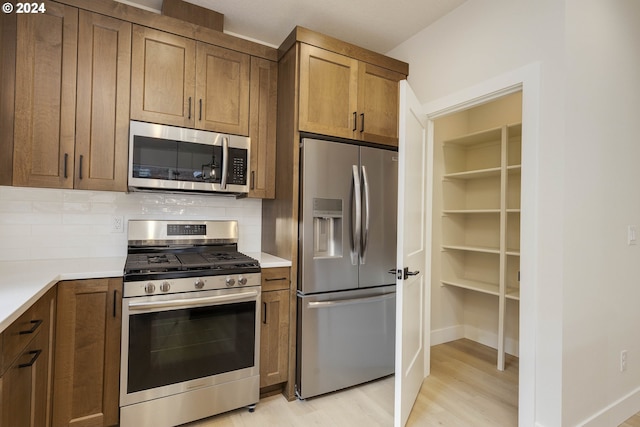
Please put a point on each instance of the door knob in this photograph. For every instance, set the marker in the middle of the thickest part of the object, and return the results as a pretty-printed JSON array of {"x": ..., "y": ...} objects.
[{"x": 408, "y": 273}]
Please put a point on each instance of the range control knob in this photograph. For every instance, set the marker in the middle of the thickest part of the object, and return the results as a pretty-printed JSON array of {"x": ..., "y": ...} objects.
[
  {"x": 242, "y": 280},
  {"x": 150, "y": 288},
  {"x": 199, "y": 284},
  {"x": 230, "y": 281},
  {"x": 165, "y": 286}
]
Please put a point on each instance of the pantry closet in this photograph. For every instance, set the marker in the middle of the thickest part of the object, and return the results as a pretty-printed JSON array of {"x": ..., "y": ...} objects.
[{"x": 476, "y": 226}]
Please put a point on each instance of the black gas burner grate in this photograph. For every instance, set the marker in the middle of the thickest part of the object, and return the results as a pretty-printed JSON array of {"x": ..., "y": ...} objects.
[{"x": 180, "y": 262}]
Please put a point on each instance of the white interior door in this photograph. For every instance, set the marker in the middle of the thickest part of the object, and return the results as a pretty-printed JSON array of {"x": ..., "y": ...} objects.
[{"x": 411, "y": 339}]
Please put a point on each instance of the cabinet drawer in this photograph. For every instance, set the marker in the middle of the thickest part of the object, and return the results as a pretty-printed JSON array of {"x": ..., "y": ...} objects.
[
  {"x": 18, "y": 335},
  {"x": 274, "y": 279}
]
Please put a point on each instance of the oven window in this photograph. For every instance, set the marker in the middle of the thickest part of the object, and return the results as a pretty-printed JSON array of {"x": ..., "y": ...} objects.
[{"x": 170, "y": 347}]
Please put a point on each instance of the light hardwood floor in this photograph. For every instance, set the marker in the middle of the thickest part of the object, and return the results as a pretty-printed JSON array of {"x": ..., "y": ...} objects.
[{"x": 464, "y": 389}]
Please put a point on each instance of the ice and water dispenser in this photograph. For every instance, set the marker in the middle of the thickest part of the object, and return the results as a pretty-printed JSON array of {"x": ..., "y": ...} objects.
[{"x": 327, "y": 228}]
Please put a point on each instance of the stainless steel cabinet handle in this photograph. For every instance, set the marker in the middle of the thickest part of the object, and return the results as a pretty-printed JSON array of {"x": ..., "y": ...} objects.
[
  {"x": 194, "y": 302},
  {"x": 225, "y": 162},
  {"x": 355, "y": 121},
  {"x": 362, "y": 123},
  {"x": 337, "y": 303},
  {"x": 189, "y": 109},
  {"x": 200, "y": 117},
  {"x": 36, "y": 354},
  {"x": 66, "y": 161},
  {"x": 264, "y": 313},
  {"x": 80, "y": 167},
  {"x": 253, "y": 179},
  {"x": 115, "y": 298},
  {"x": 356, "y": 222},
  {"x": 365, "y": 215},
  {"x": 36, "y": 324},
  {"x": 269, "y": 279}
]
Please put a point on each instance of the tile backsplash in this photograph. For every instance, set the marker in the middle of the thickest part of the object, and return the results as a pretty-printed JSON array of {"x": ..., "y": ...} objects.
[{"x": 37, "y": 223}]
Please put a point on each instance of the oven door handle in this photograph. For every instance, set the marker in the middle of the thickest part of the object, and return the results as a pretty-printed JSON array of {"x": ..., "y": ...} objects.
[{"x": 194, "y": 302}]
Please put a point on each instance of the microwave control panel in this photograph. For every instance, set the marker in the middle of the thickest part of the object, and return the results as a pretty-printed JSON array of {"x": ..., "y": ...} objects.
[{"x": 237, "y": 172}]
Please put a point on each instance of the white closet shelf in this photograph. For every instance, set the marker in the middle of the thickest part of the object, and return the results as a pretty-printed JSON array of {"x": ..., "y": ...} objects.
[
  {"x": 470, "y": 211},
  {"x": 473, "y": 285},
  {"x": 474, "y": 174},
  {"x": 482, "y": 249},
  {"x": 513, "y": 294}
]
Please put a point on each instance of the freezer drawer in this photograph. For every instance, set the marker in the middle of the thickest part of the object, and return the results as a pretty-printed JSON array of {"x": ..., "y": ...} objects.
[{"x": 344, "y": 339}]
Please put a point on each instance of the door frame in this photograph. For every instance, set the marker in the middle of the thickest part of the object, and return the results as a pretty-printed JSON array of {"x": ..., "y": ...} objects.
[{"x": 527, "y": 80}]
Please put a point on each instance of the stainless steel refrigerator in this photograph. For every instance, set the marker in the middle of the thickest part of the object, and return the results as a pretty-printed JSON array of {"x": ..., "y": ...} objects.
[{"x": 347, "y": 257}]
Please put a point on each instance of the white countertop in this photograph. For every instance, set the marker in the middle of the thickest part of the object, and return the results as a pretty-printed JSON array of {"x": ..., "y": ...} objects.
[
  {"x": 268, "y": 261},
  {"x": 22, "y": 283}
]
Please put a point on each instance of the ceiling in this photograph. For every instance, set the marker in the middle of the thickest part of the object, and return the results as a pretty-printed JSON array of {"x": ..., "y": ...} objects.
[{"x": 378, "y": 25}]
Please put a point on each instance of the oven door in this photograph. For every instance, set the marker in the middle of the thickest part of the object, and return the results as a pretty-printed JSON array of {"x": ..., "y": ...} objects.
[{"x": 182, "y": 342}]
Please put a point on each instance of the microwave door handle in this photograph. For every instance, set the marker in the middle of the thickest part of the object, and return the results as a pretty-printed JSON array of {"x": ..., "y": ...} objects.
[{"x": 225, "y": 162}]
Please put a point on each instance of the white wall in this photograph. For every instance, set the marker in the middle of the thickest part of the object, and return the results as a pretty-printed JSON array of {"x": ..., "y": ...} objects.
[
  {"x": 585, "y": 183},
  {"x": 37, "y": 223},
  {"x": 601, "y": 310}
]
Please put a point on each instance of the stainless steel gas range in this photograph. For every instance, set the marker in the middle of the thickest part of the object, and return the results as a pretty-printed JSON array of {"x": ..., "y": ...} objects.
[{"x": 190, "y": 323}]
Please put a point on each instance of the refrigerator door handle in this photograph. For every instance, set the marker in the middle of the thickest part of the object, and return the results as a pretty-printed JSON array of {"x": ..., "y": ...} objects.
[
  {"x": 365, "y": 215},
  {"x": 336, "y": 303},
  {"x": 356, "y": 222}
]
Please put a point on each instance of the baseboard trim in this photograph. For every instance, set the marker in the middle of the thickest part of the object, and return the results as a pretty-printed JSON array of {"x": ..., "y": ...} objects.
[
  {"x": 616, "y": 413},
  {"x": 452, "y": 333}
]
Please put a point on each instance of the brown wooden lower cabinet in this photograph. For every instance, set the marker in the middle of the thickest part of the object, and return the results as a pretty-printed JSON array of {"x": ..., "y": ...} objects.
[
  {"x": 87, "y": 353},
  {"x": 25, "y": 379},
  {"x": 274, "y": 333}
]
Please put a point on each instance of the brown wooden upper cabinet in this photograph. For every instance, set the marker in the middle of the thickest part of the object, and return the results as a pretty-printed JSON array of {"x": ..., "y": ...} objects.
[
  {"x": 182, "y": 82},
  {"x": 262, "y": 128},
  {"x": 72, "y": 100},
  {"x": 344, "y": 97}
]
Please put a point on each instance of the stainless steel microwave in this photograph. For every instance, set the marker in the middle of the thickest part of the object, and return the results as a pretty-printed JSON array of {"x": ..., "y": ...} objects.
[{"x": 179, "y": 159}]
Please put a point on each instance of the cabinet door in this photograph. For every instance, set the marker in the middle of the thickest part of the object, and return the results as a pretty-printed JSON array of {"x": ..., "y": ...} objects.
[
  {"x": 378, "y": 98},
  {"x": 222, "y": 90},
  {"x": 274, "y": 338},
  {"x": 162, "y": 77},
  {"x": 44, "y": 129},
  {"x": 328, "y": 92},
  {"x": 24, "y": 386},
  {"x": 87, "y": 353},
  {"x": 102, "y": 120},
  {"x": 262, "y": 128}
]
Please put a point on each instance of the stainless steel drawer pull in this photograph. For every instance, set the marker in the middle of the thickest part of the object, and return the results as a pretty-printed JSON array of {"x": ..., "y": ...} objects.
[
  {"x": 36, "y": 354},
  {"x": 36, "y": 324},
  {"x": 270, "y": 279}
]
